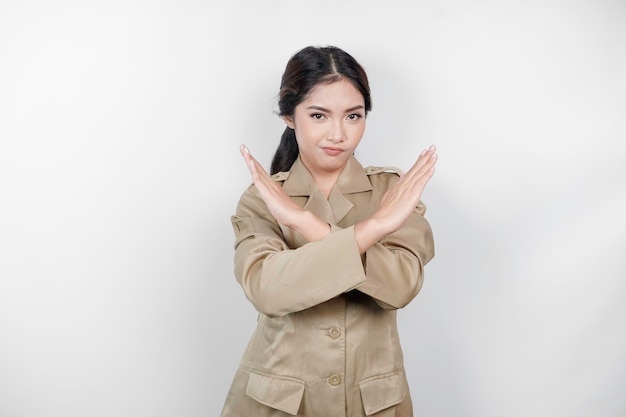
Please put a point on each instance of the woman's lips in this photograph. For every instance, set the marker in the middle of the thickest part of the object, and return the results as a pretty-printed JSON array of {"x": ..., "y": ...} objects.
[{"x": 332, "y": 151}]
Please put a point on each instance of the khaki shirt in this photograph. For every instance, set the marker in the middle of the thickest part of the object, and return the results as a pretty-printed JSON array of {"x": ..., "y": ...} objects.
[{"x": 326, "y": 342}]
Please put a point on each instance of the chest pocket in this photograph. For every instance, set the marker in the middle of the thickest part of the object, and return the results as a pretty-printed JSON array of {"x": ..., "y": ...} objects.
[
  {"x": 279, "y": 392},
  {"x": 382, "y": 391}
]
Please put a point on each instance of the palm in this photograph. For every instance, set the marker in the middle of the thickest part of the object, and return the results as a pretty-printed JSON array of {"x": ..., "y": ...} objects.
[{"x": 278, "y": 202}]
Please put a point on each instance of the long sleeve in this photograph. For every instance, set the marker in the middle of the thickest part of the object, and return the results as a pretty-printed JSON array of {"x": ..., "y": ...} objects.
[
  {"x": 279, "y": 280},
  {"x": 394, "y": 265}
]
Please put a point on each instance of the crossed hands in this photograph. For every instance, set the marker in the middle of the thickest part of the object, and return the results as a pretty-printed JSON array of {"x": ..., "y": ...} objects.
[{"x": 394, "y": 208}]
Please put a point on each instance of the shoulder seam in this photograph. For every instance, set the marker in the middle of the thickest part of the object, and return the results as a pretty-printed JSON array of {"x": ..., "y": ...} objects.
[
  {"x": 371, "y": 170},
  {"x": 280, "y": 176}
]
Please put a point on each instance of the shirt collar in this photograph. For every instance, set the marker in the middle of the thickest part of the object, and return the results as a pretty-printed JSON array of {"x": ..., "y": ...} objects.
[{"x": 352, "y": 179}]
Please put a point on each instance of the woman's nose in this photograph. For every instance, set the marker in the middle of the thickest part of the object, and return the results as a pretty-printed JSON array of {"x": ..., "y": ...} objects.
[{"x": 336, "y": 132}]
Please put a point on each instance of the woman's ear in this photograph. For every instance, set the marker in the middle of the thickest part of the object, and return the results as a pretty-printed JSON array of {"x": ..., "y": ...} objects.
[{"x": 289, "y": 121}]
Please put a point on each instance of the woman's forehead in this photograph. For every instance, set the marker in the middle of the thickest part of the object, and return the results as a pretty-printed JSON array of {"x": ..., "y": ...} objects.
[{"x": 339, "y": 94}]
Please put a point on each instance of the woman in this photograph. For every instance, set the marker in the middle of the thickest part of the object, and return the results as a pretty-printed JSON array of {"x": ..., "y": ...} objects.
[{"x": 326, "y": 251}]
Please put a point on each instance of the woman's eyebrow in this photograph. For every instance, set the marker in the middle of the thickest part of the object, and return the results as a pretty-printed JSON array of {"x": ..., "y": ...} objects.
[{"x": 320, "y": 108}]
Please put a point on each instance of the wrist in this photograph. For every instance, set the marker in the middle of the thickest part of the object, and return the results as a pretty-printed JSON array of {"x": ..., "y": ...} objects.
[
  {"x": 376, "y": 227},
  {"x": 368, "y": 232},
  {"x": 310, "y": 226},
  {"x": 298, "y": 218}
]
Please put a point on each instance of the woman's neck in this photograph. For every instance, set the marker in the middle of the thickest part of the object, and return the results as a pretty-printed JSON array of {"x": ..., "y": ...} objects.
[{"x": 325, "y": 181}]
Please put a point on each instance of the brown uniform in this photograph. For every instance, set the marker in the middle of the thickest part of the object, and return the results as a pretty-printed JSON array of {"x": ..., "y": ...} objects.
[{"x": 326, "y": 343}]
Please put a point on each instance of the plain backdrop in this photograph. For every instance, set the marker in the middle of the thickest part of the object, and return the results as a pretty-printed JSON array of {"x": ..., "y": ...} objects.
[{"x": 120, "y": 123}]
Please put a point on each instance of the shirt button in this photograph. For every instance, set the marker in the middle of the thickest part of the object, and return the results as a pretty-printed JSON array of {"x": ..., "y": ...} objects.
[
  {"x": 333, "y": 332},
  {"x": 334, "y": 380}
]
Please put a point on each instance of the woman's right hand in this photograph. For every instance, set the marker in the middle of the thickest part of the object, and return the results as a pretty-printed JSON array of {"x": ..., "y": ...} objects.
[
  {"x": 278, "y": 202},
  {"x": 284, "y": 210},
  {"x": 398, "y": 202}
]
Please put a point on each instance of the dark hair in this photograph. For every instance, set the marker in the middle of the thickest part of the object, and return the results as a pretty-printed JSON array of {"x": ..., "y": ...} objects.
[{"x": 306, "y": 69}]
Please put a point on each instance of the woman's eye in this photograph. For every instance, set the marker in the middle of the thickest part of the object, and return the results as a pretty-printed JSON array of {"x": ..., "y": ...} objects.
[
  {"x": 317, "y": 116},
  {"x": 354, "y": 116}
]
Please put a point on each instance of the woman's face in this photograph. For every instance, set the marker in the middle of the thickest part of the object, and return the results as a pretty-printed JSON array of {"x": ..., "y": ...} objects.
[{"x": 329, "y": 124}]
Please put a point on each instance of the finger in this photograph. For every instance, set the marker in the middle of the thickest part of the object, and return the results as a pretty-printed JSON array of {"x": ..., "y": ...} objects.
[
  {"x": 245, "y": 153},
  {"x": 418, "y": 185},
  {"x": 256, "y": 170},
  {"x": 424, "y": 157},
  {"x": 427, "y": 166},
  {"x": 423, "y": 163},
  {"x": 251, "y": 160},
  {"x": 260, "y": 177},
  {"x": 248, "y": 157},
  {"x": 260, "y": 171}
]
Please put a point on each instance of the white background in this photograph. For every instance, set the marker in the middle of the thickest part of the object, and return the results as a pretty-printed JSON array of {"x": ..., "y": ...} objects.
[{"x": 119, "y": 168}]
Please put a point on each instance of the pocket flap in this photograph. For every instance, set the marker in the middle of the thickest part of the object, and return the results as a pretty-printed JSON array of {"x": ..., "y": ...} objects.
[
  {"x": 279, "y": 392},
  {"x": 245, "y": 227},
  {"x": 382, "y": 391}
]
